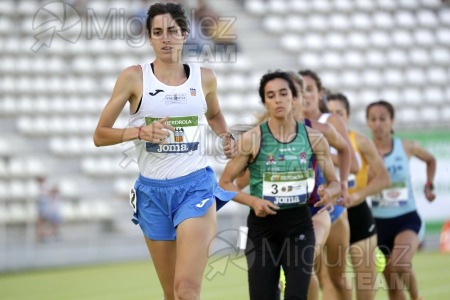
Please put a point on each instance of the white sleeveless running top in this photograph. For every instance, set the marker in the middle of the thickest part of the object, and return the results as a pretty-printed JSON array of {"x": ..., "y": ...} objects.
[
  {"x": 323, "y": 119},
  {"x": 185, "y": 105}
]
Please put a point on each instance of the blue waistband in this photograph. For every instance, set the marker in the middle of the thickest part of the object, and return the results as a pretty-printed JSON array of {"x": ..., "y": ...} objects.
[{"x": 176, "y": 181}]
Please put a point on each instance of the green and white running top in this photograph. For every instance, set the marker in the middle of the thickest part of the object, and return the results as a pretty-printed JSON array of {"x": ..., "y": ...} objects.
[{"x": 283, "y": 173}]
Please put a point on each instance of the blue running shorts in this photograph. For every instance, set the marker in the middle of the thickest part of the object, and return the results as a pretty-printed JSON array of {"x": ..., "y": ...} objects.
[
  {"x": 335, "y": 214},
  {"x": 161, "y": 205},
  {"x": 338, "y": 209}
]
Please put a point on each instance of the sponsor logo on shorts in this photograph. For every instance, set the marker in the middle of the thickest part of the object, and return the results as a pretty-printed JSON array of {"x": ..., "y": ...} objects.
[{"x": 202, "y": 203}]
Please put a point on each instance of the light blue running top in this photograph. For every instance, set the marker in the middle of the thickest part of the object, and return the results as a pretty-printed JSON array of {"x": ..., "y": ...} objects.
[{"x": 398, "y": 199}]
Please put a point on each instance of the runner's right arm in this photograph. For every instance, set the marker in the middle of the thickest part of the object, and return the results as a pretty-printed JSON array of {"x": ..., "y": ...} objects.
[{"x": 235, "y": 167}]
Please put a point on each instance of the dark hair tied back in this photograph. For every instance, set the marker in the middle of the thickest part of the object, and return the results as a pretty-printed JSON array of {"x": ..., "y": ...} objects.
[
  {"x": 389, "y": 107},
  {"x": 175, "y": 10}
]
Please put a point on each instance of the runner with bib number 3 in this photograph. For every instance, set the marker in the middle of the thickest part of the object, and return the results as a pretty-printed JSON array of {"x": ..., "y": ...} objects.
[{"x": 283, "y": 157}]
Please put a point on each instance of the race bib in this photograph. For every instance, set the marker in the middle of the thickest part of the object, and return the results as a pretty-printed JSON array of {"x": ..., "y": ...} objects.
[
  {"x": 184, "y": 139},
  {"x": 289, "y": 189},
  {"x": 394, "y": 196}
]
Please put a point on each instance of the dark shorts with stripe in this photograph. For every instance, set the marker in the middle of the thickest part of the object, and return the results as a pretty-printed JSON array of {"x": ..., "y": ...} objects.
[
  {"x": 362, "y": 224},
  {"x": 389, "y": 228}
]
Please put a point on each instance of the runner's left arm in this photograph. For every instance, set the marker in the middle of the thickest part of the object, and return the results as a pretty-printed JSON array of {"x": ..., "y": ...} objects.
[
  {"x": 414, "y": 149},
  {"x": 380, "y": 179},
  {"x": 214, "y": 115},
  {"x": 329, "y": 193}
]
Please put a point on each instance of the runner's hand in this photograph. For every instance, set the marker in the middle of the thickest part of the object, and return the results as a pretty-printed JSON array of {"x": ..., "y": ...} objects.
[
  {"x": 325, "y": 199},
  {"x": 230, "y": 147},
  {"x": 345, "y": 199},
  {"x": 157, "y": 132},
  {"x": 428, "y": 190},
  {"x": 263, "y": 207}
]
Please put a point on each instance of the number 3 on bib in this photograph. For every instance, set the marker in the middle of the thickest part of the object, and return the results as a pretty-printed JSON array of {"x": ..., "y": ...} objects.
[{"x": 289, "y": 189}]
